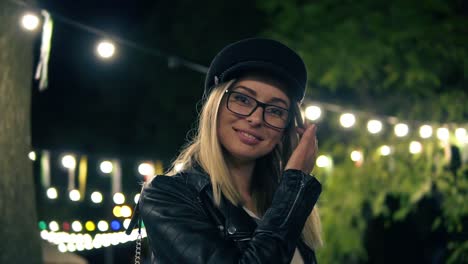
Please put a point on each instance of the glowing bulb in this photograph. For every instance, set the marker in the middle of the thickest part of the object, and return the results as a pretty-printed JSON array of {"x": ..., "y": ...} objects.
[
  {"x": 69, "y": 162},
  {"x": 313, "y": 112},
  {"x": 126, "y": 223},
  {"x": 76, "y": 226},
  {"x": 117, "y": 211},
  {"x": 385, "y": 150},
  {"x": 62, "y": 248},
  {"x": 52, "y": 193},
  {"x": 460, "y": 133},
  {"x": 119, "y": 198},
  {"x": 356, "y": 155},
  {"x": 74, "y": 195},
  {"x": 126, "y": 211},
  {"x": 443, "y": 133},
  {"x": 103, "y": 226},
  {"x": 323, "y": 161},
  {"x": 115, "y": 225},
  {"x": 146, "y": 169},
  {"x": 32, "y": 155},
  {"x": 374, "y": 126},
  {"x": 137, "y": 198},
  {"x": 90, "y": 226},
  {"x": 415, "y": 147},
  {"x": 30, "y": 22},
  {"x": 53, "y": 226},
  {"x": 96, "y": 197},
  {"x": 106, "y": 49},
  {"x": 425, "y": 131},
  {"x": 401, "y": 130},
  {"x": 106, "y": 166},
  {"x": 347, "y": 120}
]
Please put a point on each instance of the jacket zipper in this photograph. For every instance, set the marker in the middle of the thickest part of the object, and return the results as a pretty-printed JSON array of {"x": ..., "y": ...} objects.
[{"x": 301, "y": 187}]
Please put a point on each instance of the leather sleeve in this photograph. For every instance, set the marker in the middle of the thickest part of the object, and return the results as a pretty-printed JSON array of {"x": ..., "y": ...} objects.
[{"x": 180, "y": 231}]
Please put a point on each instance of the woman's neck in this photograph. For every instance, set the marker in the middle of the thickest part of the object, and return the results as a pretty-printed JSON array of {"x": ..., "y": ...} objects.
[{"x": 242, "y": 175}]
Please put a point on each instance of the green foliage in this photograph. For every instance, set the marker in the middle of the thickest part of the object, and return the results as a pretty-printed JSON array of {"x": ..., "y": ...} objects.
[{"x": 402, "y": 58}]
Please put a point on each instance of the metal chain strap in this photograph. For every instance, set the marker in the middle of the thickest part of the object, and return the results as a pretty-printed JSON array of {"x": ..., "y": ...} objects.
[{"x": 138, "y": 250}]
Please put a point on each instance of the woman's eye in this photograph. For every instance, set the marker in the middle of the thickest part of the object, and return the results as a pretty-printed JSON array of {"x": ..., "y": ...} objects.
[
  {"x": 276, "y": 111},
  {"x": 242, "y": 98}
]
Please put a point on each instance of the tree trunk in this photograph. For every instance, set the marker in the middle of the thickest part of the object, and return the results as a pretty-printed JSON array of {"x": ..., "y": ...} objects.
[{"x": 19, "y": 233}]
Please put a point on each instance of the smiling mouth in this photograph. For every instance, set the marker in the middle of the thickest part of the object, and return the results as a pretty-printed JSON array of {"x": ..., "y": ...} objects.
[{"x": 248, "y": 135}]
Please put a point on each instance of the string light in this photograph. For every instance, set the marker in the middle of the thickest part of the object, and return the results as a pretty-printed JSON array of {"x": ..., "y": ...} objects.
[
  {"x": 313, "y": 112},
  {"x": 385, "y": 150},
  {"x": 30, "y": 21},
  {"x": 356, "y": 155},
  {"x": 425, "y": 131},
  {"x": 401, "y": 130},
  {"x": 76, "y": 226},
  {"x": 125, "y": 211},
  {"x": 119, "y": 198},
  {"x": 32, "y": 155},
  {"x": 74, "y": 195},
  {"x": 323, "y": 161},
  {"x": 415, "y": 147},
  {"x": 103, "y": 226},
  {"x": 347, "y": 120},
  {"x": 52, "y": 193},
  {"x": 146, "y": 169},
  {"x": 96, "y": 197},
  {"x": 106, "y": 166},
  {"x": 443, "y": 133},
  {"x": 460, "y": 134},
  {"x": 69, "y": 162},
  {"x": 105, "y": 49},
  {"x": 53, "y": 226},
  {"x": 374, "y": 126},
  {"x": 137, "y": 198}
]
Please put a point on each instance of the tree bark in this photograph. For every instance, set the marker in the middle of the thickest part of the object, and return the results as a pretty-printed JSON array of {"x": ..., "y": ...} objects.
[{"x": 19, "y": 233}]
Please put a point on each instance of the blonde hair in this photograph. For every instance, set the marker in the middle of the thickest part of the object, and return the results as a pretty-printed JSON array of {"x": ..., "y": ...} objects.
[{"x": 205, "y": 149}]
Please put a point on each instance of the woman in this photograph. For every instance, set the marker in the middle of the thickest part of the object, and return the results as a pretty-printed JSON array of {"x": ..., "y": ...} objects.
[{"x": 244, "y": 194}]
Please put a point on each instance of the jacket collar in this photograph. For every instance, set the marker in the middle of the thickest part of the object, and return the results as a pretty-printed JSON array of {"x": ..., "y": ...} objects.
[{"x": 237, "y": 223}]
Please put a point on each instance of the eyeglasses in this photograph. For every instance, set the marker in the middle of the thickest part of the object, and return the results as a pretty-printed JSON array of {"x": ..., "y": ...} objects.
[{"x": 244, "y": 105}]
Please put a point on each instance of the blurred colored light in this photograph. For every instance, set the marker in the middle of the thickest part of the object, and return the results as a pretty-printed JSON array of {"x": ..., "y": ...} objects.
[
  {"x": 443, "y": 133},
  {"x": 126, "y": 223},
  {"x": 323, "y": 161},
  {"x": 76, "y": 226},
  {"x": 126, "y": 211},
  {"x": 313, "y": 112},
  {"x": 53, "y": 226},
  {"x": 460, "y": 133},
  {"x": 52, "y": 193},
  {"x": 103, "y": 226},
  {"x": 415, "y": 147},
  {"x": 347, "y": 120},
  {"x": 69, "y": 162},
  {"x": 137, "y": 198},
  {"x": 117, "y": 211},
  {"x": 385, "y": 150},
  {"x": 42, "y": 225},
  {"x": 179, "y": 166},
  {"x": 106, "y": 166},
  {"x": 105, "y": 49},
  {"x": 62, "y": 248},
  {"x": 30, "y": 21},
  {"x": 66, "y": 226},
  {"x": 74, "y": 195},
  {"x": 90, "y": 226},
  {"x": 356, "y": 155},
  {"x": 146, "y": 169},
  {"x": 401, "y": 130},
  {"x": 115, "y": 225},
  {"x": 425, "y": 131},
  {"x": 96, "y": 197},
  {"x": 374, "y": 126},
  {"x": 32, "y": 155},
  {"x": 118, "y": 198}
]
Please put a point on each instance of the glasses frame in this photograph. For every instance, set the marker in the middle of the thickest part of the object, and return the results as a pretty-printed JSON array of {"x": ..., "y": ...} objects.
[{"x": 228, "y": 94}]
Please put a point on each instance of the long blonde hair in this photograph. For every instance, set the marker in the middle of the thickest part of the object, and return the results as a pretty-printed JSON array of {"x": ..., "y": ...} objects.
[{"x": 205, "y": 149}]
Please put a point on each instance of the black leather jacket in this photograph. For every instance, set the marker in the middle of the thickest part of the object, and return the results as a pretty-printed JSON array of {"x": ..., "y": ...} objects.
[{"x": 184, "y": 226}]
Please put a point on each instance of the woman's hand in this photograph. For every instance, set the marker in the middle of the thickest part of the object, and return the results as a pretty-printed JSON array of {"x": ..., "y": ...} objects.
[{"x": 304, "y": 156}]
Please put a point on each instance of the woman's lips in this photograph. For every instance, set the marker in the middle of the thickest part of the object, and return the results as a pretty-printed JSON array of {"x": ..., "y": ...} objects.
[{"x": 247, "y": 138}]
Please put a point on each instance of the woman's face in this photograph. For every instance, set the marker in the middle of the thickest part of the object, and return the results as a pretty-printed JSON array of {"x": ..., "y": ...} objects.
[{"x": 247, "y": 138}]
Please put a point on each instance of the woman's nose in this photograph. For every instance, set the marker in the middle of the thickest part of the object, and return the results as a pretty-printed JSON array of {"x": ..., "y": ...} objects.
[{"x": 256, "y": 118}]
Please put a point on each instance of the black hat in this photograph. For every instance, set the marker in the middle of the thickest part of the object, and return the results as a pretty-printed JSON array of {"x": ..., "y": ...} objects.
[{"x": 259, "y": 54}]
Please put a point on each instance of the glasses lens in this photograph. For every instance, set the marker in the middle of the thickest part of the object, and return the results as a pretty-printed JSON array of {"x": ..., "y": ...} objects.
[
  {"x": 244, "y": 105},
  {"x": 241, "y": 104},
  {"x": 276, "y": 116}
]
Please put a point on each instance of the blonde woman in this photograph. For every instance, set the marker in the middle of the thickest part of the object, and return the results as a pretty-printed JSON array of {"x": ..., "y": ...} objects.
[{"x": 242, "y": 191}]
